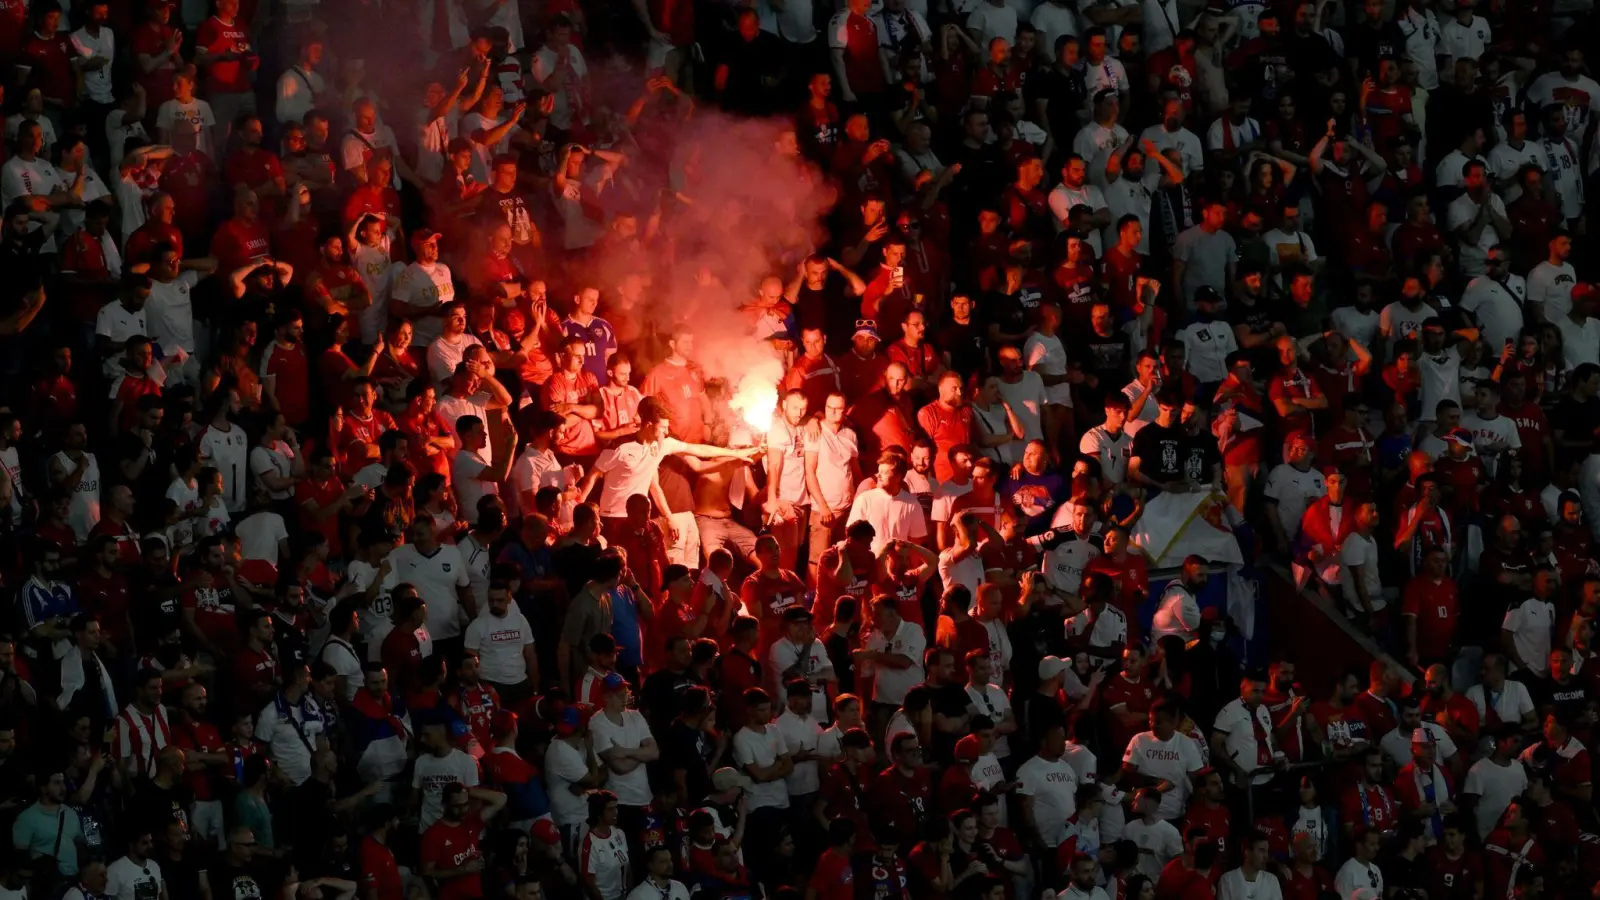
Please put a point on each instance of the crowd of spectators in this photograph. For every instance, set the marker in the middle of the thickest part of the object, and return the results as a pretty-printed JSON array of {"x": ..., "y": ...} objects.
[{"x": 383, "y": 513}]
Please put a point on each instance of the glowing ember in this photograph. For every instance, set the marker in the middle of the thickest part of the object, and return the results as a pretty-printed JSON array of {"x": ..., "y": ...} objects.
[{"x": 756, "y": 397}]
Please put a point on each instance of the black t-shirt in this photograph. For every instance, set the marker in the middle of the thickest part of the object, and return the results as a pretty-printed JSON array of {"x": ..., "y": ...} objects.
[
  {"x": 574, "y": 561},
  {"x": 1570, "y": 699},
  {"x": 511, "y": 207},
  {"x": 1259, "y": 319},
  {"x": 252, "y": 881},
  {"x": 844, "y": 664},
  {"x": 1106, "y": 358},
  {"x": 1066, "y": 94},
  {"x": 948, "y": 700},
  {"x": 182, "y": 876},
  {"x": 1008, "y": 311},
  {"x": 1200, "y": 456},
  {"x": 827, "y": 308},
  {"x": 1160, "y": 451},
  {"x": 1576, "y": 419},
  {"x": 689, "y": 749},
  {"x": 660, "y": 694},
  {"x": 965, "y": 344},
  {"x": 153, "y": 806},
  {"x": 1373, "y": 44}
]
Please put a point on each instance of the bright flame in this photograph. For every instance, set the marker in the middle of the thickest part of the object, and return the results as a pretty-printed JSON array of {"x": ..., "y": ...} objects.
[{"x": 756, "y": 397}]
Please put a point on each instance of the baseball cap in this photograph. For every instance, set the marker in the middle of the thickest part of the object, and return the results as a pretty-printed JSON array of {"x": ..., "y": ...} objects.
[
  {"x": 423, "y": 236},
  {"x": 545, "y": 832},
  {"x": 614, "y": 682},
  {"x": 1207, "y": 294},
  {"x": 503, "y": 723},
  {"x": 1583, "y": 290},
  {"x": 867, "y": 327},
  {"x": 1051, "y": 666},
  {"x": 726, "y": 779},
  {"x": 1459, "y": 436},
  {"x": 797, "y": 614},
  {"x": 570, "y": 721},
  {"x": 1422, "y": 736},
  {"x": 967, "y": 748}
]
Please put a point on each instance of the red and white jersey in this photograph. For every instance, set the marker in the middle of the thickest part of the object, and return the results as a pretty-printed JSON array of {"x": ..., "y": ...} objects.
[{"x": 141, "y": 737}]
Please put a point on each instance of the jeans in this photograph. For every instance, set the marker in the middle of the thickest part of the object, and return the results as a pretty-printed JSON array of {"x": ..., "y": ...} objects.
[
  {"x": 725, "y": 534},
  {"x": 823, "y": 536}
]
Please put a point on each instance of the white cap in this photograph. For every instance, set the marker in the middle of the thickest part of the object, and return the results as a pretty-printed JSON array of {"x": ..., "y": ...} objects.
[{"x": 1051, "y": 666}]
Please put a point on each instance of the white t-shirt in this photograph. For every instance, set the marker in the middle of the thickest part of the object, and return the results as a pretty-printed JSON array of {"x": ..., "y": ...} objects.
[
  {"x": 275, "y": 727},
  {"x": 762, "y": 748},
  {"x": 432, "y": 774},
  {"x": 126, "y": 879},
  {"x": 648, "y": 891},
  {"x": 343, "y": 658},
  {"x": 276, "y": 459},
  {"x": 1178, "y": 613},
  {"x": 1355, "y": 875},
  {"x": 630, "y": 469},
  {"x": 258, "y": 534},
  {"x": 992, "y": 701},
  {"x": 1112, "y": 452},
  {"x": 1233, "y": 720},
  {"x": 425, "y": 287},
  {"x": 834, "y": 452},
  {"x": 790, "y": 444},
  {"x": 1531, "y": 624},
  {"x": 1495, "y": 786},
  {"x": 436, "y": 577},
  {"x": 565, "y": 766},
  {"x": 1552, "y": 285},
  {"x": 445, "y": 353},
  {"x": 187, "y": 126},
  {"x": 1046, "y": 355},
  {"x": 499, "y": 642},
  {"x": 1294, "y": 490},
  {"x": 1159, "y": 843},
  {"x": 633, "y": 788},
  {"x": 1053, "y": 786},
  {"x": 890, "y": 685},
  {"x": 1462, "y": 211},
  {"x": 606, "y": 859},
  {"x": 1233, "y": 886},
  {"x": 228, "y": 452},
  {"x": 170, "y": 312},
  {"x": 812, "y": 660},
  {"x": 1510, "y": 703},
  {"x": 1171, "y": 760},
  {"x": 1363, "y": 552},
  {"x": 1027, "y": 398},
  {"x": 892, "y": 518},
  {"x": 1441, "y": 379},
  {"x": 800, "y": 734},
  {"x": 117, "y": 323}
]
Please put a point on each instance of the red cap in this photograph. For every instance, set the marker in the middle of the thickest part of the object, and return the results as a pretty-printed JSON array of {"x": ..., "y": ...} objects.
[
  {"x": 544, "y": 831},
  {"x": 1583, "y": 290},
  {"x": 422, "y": 236},
  {"x": 967, "y": 748},
  {"x": 503, "y": 723}
]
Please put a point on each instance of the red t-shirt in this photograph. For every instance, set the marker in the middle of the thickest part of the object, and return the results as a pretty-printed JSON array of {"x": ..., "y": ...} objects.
[
  {"x": 189, "y": 180},
  {"x": 833, "y": 878},
  {"x": 292, "y": 380},
  {"x": 323, "y": 493},
  {"x": 1454, "y": 879},
  {"x": 1307, "y": 887},
  {"x": 1374, "y": 805},
  {"x": 52, "y": 74},
  {"x": 13, "y": 26},
  {"x": 379, "y": 872},
  {"x": 401, "y": 654},
  {"x": 900, "y": 803},
  {"x": 768, "y": 598},
  {"x": 1437, "y": 610},
  {"x": 450, "y": 845},
  {"x": 1287, "y": 386},
  {"x": 202, "y": 737},
  {"x": 107, "y": 598},
  {"x": 1179, "y": 882},
  {"x": 151, "y": 38},
  {"x": 129, "y": 388},
  {"x": 214, "y": 612},
  {"x": 237, "y": 242},
  {"x": 858, "y": 37},
  {"x": 227, "y": 76},
  {"x": 252, "y": 669}
]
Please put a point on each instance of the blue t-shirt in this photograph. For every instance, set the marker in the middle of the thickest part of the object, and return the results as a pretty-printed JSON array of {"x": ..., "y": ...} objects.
[
  {"x": 1035, "y": 497},
  {"x": 625, "y": 626},
  {"x": 599, "y": 339},
  {"x": 36, "y": 829}
]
